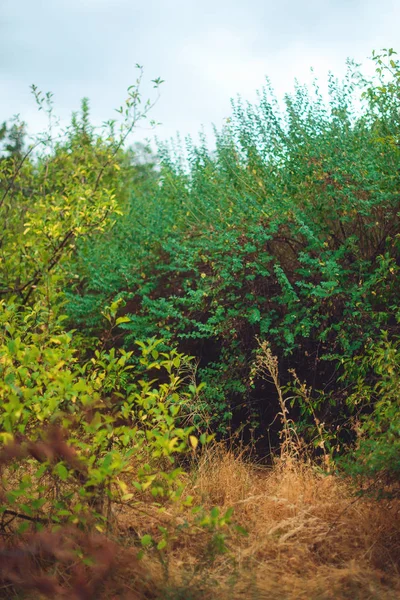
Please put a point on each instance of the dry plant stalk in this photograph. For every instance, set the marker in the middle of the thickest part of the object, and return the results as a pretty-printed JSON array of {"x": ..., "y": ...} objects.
[
  {"x": 266, "y": 367},
  {"x": 305, "y": 393}
]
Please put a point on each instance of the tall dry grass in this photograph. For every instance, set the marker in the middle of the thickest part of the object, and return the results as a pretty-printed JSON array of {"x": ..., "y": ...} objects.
[{"x": 308, "y": 537}]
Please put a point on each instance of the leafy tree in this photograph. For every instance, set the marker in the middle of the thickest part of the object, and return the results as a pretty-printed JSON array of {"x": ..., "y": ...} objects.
[{"x": 12, "y": 139}]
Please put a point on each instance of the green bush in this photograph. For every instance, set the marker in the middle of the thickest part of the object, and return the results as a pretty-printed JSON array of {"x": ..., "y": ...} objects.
[
  {"x": 374, "y": 382},
  {"x": 74, "y": 412},
  {"x": 288, "y": 230},
  {"x": 106, "y": 413}
]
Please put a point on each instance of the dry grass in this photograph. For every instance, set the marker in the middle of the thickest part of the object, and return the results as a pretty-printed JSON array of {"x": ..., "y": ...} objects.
[{"x": 308, "y": 538}]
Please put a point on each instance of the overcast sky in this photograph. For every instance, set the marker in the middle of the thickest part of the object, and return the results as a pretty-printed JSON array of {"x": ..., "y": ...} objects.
[{"x": 206, "y": 50}]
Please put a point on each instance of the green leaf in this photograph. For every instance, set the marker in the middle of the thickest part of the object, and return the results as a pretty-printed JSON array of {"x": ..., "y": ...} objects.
[
  {"x": 162, "y": 544},
  {"x": 214, "y": 512},
  {"x": 123, "y": 319},
  {"x": 146, "y": 540},
  {"x": 61, "y": 471}
]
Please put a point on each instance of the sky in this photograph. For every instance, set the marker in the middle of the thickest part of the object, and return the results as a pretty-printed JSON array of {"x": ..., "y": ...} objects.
[{"x": 207, "y": 51}]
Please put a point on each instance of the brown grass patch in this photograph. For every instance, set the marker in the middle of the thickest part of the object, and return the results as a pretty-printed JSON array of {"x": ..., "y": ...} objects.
[{"x": 308, "y": 538}]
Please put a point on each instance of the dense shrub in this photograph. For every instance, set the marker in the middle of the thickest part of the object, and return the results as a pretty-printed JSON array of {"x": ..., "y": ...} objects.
[
  {"x": 83, "y": 427},
  {"x": 288, "y": 229},
  {"x": 374, "y": 381}
]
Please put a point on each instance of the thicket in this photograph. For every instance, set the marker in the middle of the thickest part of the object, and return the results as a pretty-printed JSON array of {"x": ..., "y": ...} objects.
[
  {"x": 148, "y": 302},
  {"x": 288, "y": 230},
  {"x": 83, "y": 431}
]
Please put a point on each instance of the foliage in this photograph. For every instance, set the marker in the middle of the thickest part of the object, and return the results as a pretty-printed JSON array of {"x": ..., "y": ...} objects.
[
  {"x": 374, "y": 378},
  {"x": 87, "y": 559},
  {"x": 84, "y": 427},
  {"x": 12, "y": 139},
  {"x": 107, "y": 415},
  {"x": 288, "y": 230},
  {"x": 48, "y": 202}
]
